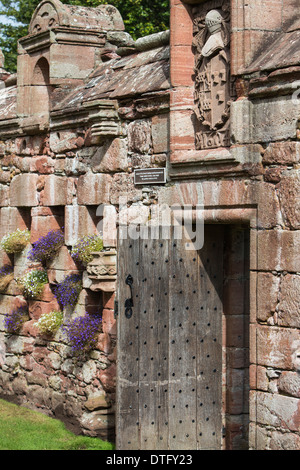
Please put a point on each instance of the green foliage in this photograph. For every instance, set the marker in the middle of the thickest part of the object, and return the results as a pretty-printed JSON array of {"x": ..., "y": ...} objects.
[
  {"x": 33, "y": 283},
  {"x": 141, "y": 17},
  {"x": 15, "y": 242},
  {"x": 23, "y": 429},
  {"x": 49, "y": 323},
  {"x": 82, "y": 251}
]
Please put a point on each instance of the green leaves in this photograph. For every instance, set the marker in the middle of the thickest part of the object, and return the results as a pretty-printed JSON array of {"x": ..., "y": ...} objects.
[{"x": 141, "y": 17}]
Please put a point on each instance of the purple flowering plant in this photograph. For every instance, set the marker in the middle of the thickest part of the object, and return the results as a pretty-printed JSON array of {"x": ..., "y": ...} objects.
[
  {"x": 82, "y": 333},
  {"x": 82, "y": 251},
  {"x": 46, "y": 247},
  {"x": 67, "y": 292},
  {"x": 14, "y": 320},
  {"x": 6, "y": 269}
]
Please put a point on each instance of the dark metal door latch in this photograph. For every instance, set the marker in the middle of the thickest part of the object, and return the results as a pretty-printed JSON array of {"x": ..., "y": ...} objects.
[{"x": 129, "y": 302}]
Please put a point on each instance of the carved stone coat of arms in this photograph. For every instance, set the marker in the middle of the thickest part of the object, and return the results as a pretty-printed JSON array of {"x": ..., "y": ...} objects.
[{"x": 212, "y": 75}]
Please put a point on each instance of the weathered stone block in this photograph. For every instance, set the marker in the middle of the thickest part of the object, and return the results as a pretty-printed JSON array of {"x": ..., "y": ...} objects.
[
  {"x": 181, "y": 29},
  {"x": 268, "y": 214},
  {"x": 38, "y": 308},
  {"x": 63, "y": 141},
  {"x": 282, "y": 153},
  {"x": 109, "y": 322},
  {"x": 9, "y": 302},
  {"x": 286, "y": 441},
  {"x": 267, "y": 120},
  {"x": 104, "y": 343},
  {"x": 19, "y": 344},
  {"x": 79, "y": 221},
  {"x": 289, "y": 384},
  {"x": 42, "y": 225},
  {"x": 274, "y": 346},
  {"x": 58, "y": 191},
  {"x": 29, "y": 145},
  {"x": 182, "y": 64},
  {"x": 108, "y": 378},
  {"x": 288, "y": 313},
  {"x": 267, "y": 295},
  {"x": 63, "y": 261},
  {"x": 160, "y": 133},
  {"x": 123, "y": 187},
  {"x": 182, "y": 130},
  {"x": 278, "y": 411},
  {"x": 134, "y": 215},
  {"x": 56, "y": 276},
  {"x": 71, "y": 62},
  {"x": 4, "y": 195},
  {"x": 97, "y": 402},
  {"x": 12, "y": 218},
  {"x": 278, "y": 250},
  {"x": 23, "y": 190},
  {"x": 93, "y": 189},
  {"x": 98, "y": 424},
  {"x": 289, "y": 196},
  {"x": 44, "y": 165},
  {"x": 139, "y": 136},
  {"x": 111, "y": 157}
]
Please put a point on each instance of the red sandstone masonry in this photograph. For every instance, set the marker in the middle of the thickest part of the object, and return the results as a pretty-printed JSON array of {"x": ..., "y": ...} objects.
[{"x": 62, "y": 174}]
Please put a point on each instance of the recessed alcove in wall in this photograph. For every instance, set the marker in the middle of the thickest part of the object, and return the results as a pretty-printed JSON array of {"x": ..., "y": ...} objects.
[{"x": 40, "y": 87}]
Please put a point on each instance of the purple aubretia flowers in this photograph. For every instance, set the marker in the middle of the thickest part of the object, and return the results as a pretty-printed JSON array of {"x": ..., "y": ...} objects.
[
  {"x": 68, "y": 290},
  {"x": 46, "y": 247},
  {"x": 14, "y": 320},
  {"x": 82, "y": 333}
]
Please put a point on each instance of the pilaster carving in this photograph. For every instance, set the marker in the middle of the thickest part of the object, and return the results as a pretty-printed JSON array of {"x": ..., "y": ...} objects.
[{"x": 213, "y": 90}]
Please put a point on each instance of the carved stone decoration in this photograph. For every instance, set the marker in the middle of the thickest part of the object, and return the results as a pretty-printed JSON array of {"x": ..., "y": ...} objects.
[
  {"x": 212, "y": 74},
  {"x": 103, "y": 267},
  {"x": 104, "y": 118},
  {"x": 51, "y": 14},
  {"x": 46, "y": 17}
]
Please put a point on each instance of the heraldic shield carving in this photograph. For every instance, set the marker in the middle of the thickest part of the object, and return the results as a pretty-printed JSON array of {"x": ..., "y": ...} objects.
[{"x": 213, "y": 89}]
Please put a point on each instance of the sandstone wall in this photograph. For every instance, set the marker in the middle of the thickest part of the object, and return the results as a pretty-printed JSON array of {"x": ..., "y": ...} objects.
[{"x": 128, "y": 115}]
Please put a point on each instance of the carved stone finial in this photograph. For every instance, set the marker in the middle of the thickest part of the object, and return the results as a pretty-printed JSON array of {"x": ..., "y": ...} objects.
[{"x": 50, "y": 14}]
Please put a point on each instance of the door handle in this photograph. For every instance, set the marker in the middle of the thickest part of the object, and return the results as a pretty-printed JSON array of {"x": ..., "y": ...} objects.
[{"x": 129, "y": 302}]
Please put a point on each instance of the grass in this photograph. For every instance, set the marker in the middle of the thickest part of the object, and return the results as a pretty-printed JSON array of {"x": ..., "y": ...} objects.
[{"x": 23, "y": 429}]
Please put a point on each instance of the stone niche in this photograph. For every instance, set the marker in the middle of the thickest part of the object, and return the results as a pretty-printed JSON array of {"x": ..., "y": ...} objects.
[
  {"x": 63, "y": 47},
  {"x": 203, "y": 89}
]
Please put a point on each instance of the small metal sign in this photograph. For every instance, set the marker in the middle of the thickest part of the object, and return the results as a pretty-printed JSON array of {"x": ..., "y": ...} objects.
[{"x": 150, "y": 176}]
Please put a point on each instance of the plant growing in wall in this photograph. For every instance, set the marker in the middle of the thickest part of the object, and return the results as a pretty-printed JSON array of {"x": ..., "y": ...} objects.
[
  {"x": 67, "y": 292},
  {"x": 16, "y": 241},
  {"x": 33, "y": 283},
  {"x": 14, "y": 320},
  {"x": 82, "y": 333},
  {"x": 82, "y": 251},
  {"x": 46, "y": 247},
  {"x": 6, "y": 276},
  {"x": 50, "y": 322}
]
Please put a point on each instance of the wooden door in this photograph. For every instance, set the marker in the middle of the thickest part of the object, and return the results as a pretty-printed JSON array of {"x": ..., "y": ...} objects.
[{"x": 169, "y": 366}]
